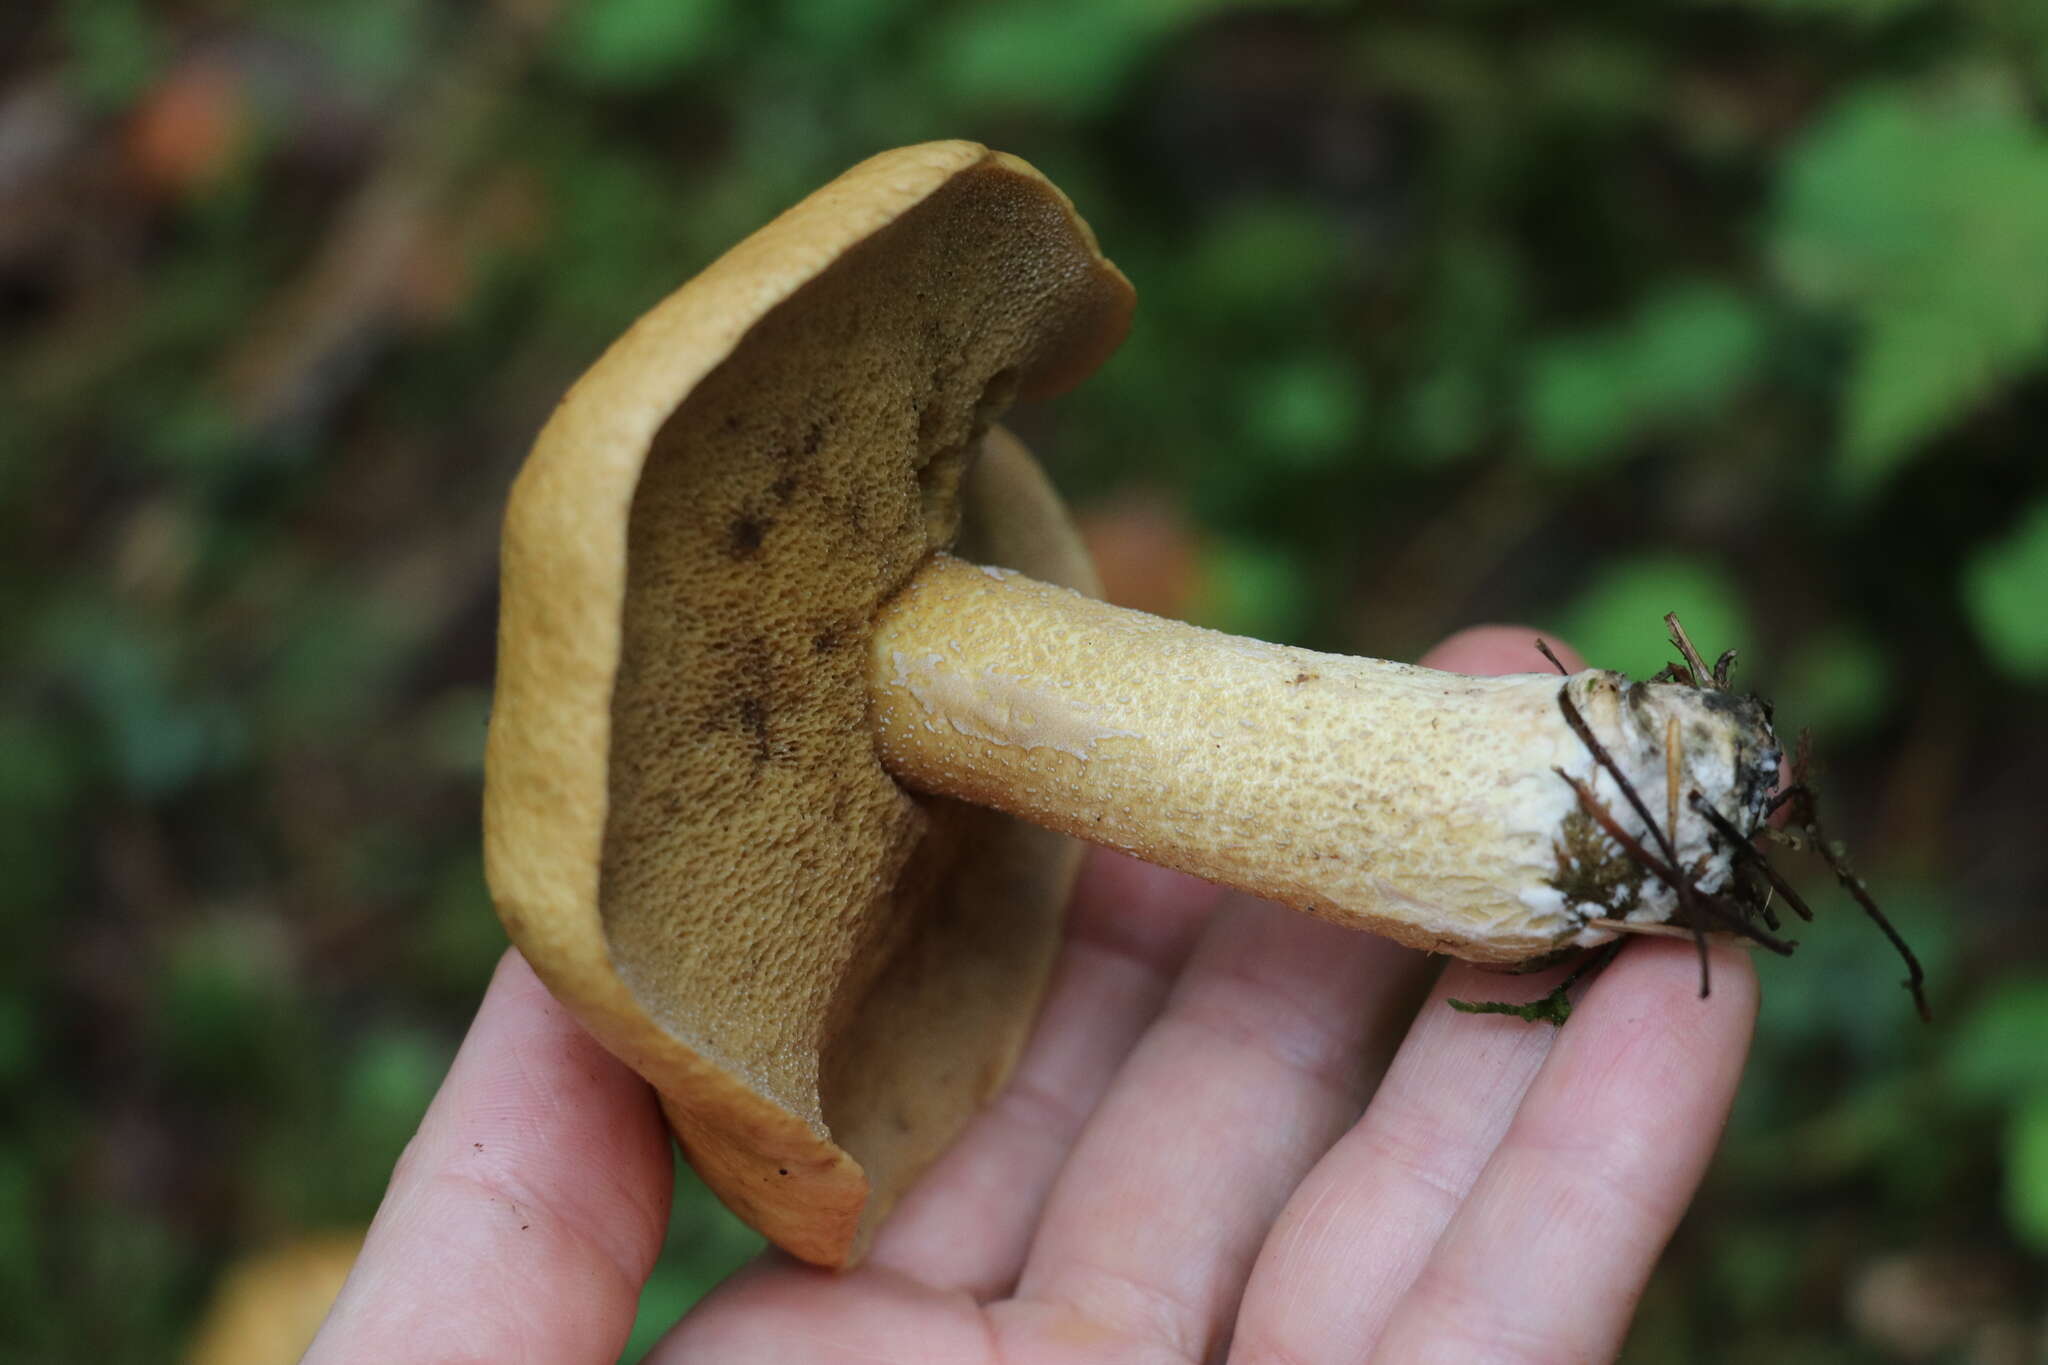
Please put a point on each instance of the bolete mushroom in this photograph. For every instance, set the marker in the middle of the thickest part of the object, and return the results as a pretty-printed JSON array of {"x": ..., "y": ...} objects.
[{"x": 791, "y": 633}]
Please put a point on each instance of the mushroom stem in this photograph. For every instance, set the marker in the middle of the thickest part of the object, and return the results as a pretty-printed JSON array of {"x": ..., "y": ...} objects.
[{"x": 1422, "y": 805}]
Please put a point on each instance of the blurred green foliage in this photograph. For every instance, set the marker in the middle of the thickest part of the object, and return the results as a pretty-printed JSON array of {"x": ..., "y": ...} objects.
[
  {"x": 1919, "y": 215},
  {"x": 2004, "y": 591},
  {"x": 1572, "y": 313},
  {"x": 1606, "y": 620},
  {"x": 1998, "y": 1064},
  {"x": 1682, "y": 357}
]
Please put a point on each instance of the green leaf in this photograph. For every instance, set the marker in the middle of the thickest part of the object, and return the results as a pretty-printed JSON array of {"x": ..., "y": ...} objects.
[
  {"x": 1914, "y": 373},
  {"x": 844, "y": 25},
  {"x": 1252, "y": 589},
  {"x": 384, "y": 1089},
  {"x": 1445, "y": 414},
  {"x": 2002, "y": 589},
  {"x": 1618, "y": 620},
  {"x": 608, "y": 254},
  {"x": 1577, "y": 407},
  {"x": 2026, "y": 1173},
  {"x": 1467, "y": 346},
  {"x": 1598, "y": 76},
  {"x": 1058, "y": 56},
  {"x": 1994, "y": 1053},
  {"x": 1693, "y": 345},
  {"x": 158, "y": 732},
  {"x": 1260, "y": 264},
  {"x": 1683, "y": 355},
  {"x": 20, "y": 1040},
  {"x": 455, "y": 941},
  {"x": 114, "y": 49},
  {"x": 1069, "y": 56},
  {"x": 377, "y": 41},
  {"x": 41, "y": 771},
  {"x": 1307, "y": 411},
  {"x": 636, "y": 44},
  {"x": 1861, "y": 12},
  {"x": 223, "y": 1005},
  {"x": 1839, "y": 681},
  {"x": 24, "y": 1227},
  {"x": 1841, "y": 991},
  {"x": 331, "y": 665},
  {"x": 1922, "y": 221}
]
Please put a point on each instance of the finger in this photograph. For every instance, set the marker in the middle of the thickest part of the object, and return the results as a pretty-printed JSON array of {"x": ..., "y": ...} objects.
[
  {"x": 777, "y": 1312},
  {"x": 1548, "y": 1255},
  {"x": 1258, "y": 1061},
  {"x": 1490, "y": 650},
  {"x": 1362, "y": 1224},
  {"x": 525, "y": 1213},
  {"x": 967, "y": 1224}
]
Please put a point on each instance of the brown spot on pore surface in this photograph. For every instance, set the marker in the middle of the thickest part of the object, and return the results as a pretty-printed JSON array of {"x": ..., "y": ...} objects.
[
  {"x": 754, "y": 720},
  {"x": 743, "y": 538}
]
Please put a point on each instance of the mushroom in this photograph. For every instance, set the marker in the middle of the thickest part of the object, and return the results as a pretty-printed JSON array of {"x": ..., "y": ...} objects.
[{"x": 792, "y": 634}]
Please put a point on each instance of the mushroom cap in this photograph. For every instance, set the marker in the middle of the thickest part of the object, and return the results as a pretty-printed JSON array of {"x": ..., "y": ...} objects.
[{"x": 686, "y": 828}]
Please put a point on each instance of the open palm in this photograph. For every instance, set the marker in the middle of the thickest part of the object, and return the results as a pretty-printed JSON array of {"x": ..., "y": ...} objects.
[{"x": 1231, "y": 1138}]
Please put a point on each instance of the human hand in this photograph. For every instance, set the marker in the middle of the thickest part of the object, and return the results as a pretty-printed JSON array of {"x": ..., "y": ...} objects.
[{"x": 1205, "y": 1153}]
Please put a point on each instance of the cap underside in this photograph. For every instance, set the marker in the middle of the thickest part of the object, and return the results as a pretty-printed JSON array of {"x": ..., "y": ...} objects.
[{"x": 687, "y": 829}]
